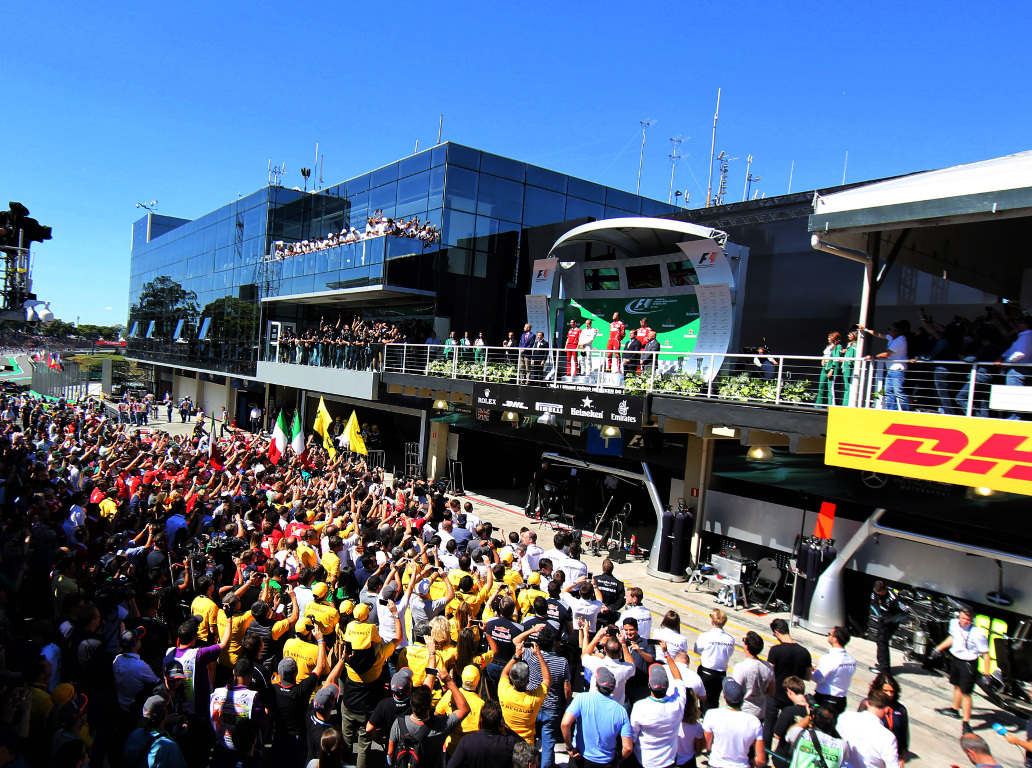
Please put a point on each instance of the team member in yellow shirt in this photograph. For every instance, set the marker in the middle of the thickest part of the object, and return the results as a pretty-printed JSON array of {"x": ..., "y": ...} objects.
[
  {"x": 512, "y": 576},
  {"x": 471, "y": 594},
  {"x": 325, "y": 615},
  {"x": 419, "y": 654},
  {"x": 206, "y": 608},
  {"x": 526, "y": 598},
  {"x": 239, "y": 621},
  {"x": 471, "y": 723},
  {"x": 520, "y": 707},
  {"x": 305, "y": 654},
  {"x": 108, "y": 505}
]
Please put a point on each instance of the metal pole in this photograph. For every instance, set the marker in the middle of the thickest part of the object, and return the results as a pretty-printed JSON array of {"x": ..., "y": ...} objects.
[
  {"x": 777, "y": 393},
  {"x": 641, "y": 157},
  {"x": 971, "y": 389},
  {"x": 440, "y": 129},
  {"x": 712, "y": 150},
  {"x": 745, "y": 191}
]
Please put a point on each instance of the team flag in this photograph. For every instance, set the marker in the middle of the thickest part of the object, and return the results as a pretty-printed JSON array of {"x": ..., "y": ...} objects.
[
  {"x": 322, "y": 428},
  {"x": 214, "y": 455},
  {"x": 278, "y": 444},
  {"x": 353, "y": 436},
  {"x": 297, "y": 438}
]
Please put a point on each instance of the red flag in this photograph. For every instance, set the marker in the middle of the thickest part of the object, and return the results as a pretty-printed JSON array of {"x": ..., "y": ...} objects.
[{"x": 214, "y": 454}]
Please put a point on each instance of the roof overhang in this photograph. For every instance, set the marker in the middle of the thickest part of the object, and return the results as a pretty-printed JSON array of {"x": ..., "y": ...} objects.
[
  {"x": 986, "y": 190},
  {"x": 362, "y": 294},
  {"x": 638, "y": 236}
]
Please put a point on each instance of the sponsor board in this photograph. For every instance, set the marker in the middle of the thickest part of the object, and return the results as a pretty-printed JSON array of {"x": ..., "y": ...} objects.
[{"x": 579, "y": 405}]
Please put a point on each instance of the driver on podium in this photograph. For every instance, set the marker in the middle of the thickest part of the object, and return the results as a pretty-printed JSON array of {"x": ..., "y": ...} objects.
[
  {"x": 617, "y": 331},
  {"x": 572, "y": 340}
]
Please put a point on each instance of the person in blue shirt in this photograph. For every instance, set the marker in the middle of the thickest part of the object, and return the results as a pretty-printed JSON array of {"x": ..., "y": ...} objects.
[
  {"x": 603, "y": 727},
  {"x": 151, "y": 745}
]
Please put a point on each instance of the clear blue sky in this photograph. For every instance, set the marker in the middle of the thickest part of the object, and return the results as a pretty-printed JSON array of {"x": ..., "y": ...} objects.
[{"x": 113, "y": 104}]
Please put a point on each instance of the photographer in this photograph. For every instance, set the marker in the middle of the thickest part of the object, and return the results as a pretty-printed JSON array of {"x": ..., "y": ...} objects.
[
  {"x": 616, "y": 657},
  {"x": 815, "y": 741}
]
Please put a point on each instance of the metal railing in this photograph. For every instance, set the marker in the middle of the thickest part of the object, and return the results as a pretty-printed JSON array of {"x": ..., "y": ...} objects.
[{"x": 793, "y": 381}]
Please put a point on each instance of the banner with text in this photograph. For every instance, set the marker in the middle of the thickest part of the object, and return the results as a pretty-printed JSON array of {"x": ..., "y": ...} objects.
[{"x": 595, "y": 407}]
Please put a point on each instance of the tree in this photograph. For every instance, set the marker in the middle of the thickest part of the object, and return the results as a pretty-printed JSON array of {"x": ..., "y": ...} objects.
[
  {"x": 166, "y": 302},
  {"x": 57, "y": 330},
  {"x": 232, "y": 319}
]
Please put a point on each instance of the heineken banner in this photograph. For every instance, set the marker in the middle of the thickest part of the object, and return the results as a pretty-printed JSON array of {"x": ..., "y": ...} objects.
[{"x": 575, "y": 405}]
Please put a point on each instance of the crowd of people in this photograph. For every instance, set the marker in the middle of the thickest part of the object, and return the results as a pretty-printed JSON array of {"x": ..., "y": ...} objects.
[
  {"x": 377, "y": 225},
  {"x": 357, "y": 345}
]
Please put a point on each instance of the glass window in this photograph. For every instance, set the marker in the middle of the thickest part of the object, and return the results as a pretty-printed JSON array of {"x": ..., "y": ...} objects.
[
  {"x": 383, "y": 199},
  {"x": 458, "y": 228},
  {"x": 607, "y": 279},
  {"x": 542, "y": 206},
  {"x": 355, "y": 185},
  {"x": 461, "y": 189},
  {"x": 503, "y": 166},
  {"x": 480, "y": 264},
  {"x": 436, "y": 186},
  {"x": 586, "y": 190},
  {"x": 656, "y": 208},
  {"x": 642, "y": 276},
  {"x": 414, "y": 164},
  {"x": 542, "y": 177},
  {"x": 438, "y": 155},
  {"x": 682, "y": 273},
  {"x": 384, "y": 175},
  {"x": 457, "y": 261},
  {"x": 464, "y": 156},
  {"x": 412, "y": 194},
  {"x": 500, "y": 198},
  {"x": 625, "y": 201},
  {"x": 618, "y": 213},
  {"x": 577, "y": 208}
]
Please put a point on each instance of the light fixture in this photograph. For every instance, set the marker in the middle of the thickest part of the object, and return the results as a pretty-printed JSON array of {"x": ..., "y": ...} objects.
[
  {"x": 567, "y": 264},
  {"x": 547, "y": 419},
  {"x": 760, "y": 453},
  {"x": 509, "y": 416},
  {"x": 980, "y": 492},
  {"x": 440, "y": 405},
  {"x": 610, "y": 431}
]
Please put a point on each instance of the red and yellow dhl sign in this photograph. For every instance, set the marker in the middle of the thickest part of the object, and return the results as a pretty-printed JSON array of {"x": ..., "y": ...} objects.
[{"x": 989, "y": 453}]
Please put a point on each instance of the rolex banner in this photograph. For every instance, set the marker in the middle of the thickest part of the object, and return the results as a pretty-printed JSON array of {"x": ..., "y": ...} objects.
[{"x": 578, "y": 405}]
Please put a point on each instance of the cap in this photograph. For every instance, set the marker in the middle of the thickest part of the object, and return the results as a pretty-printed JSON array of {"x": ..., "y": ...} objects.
[
  {"x": 62, "y": 694},
  {"x": 605, "y": 681},
  {"x": 534, "y": 579},
  {"x": 461, "y": 520},
  {"x": 470, "y": 677},
  {"x": 390, "y": 591},
  {"x": 302, "y": 626},
  {"x": 423, "y": 588},
  {"x": 72, "y": 709},
  {"x": 733, "y": 692},
  {"x": 128, "y": 638},
  {"x": 361, "y": 612},
  {"x": 507, "y": 557},
  {"x": 347, "y": 607},
  {"x": 154, "y": 709},
  {"x": 658, "y": 680},
  {"x": 325, "y": 698},
  {"x": 401, "y": 683},
  {"x": 320, "y": 590},
  {"x": 287, "y": 670},
  {"x": 174, "y": 671}
]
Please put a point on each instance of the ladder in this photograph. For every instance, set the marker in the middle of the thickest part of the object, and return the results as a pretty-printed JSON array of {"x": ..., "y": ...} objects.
[{"x": 413, "y": 467}]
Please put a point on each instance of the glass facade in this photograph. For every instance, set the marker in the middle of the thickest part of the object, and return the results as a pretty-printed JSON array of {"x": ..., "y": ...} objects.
[{"x": 196, "y": 287}]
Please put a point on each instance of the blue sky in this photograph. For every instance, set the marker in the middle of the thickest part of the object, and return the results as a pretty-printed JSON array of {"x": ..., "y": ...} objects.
[{"x": 185, "y": 103}]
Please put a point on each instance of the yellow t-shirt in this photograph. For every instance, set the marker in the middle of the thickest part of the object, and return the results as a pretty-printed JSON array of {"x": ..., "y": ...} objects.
[
  {"x": 526, "y": 600},
  {"x": 206, "y": 608},
  {"x": 308, "y": 557},
  {"x": 383, "y": 652},
  {"x": 241, "y": 622},
  {"x": 331, "y": 563},
  {"x": 108, "y": 508},
  {"x": 513, "y": 578},
  {"x": 326, "y": 616},
  {"x": 305, "y": 654},
  {"x": 469, "y": 724},
  {"x": 520, "y": 708}
]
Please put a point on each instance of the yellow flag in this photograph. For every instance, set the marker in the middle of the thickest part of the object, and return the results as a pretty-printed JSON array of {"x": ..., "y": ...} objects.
[
  {"x": 354, "y": 436},
  {"x": 322, "y": 427}
]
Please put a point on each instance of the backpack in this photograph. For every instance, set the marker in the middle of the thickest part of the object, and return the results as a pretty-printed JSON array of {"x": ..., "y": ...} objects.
[{"x": 409, "y": 752}]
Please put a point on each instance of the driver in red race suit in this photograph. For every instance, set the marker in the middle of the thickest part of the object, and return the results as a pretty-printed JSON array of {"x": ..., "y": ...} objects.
[
  {"x": 643, "y": 331},
  {"x": 572, "y": 340},
  {"x": 617, "y": 331}
]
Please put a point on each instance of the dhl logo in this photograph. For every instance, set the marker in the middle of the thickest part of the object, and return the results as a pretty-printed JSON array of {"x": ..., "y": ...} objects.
[{"x": 950, "y": 449}]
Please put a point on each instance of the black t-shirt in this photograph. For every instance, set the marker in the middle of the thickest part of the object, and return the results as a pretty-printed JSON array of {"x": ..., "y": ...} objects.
[
  {"x": 363, "y": 697},
  {"x": 561, "y": 613},
  {"x": 612, "y": 590},
  {"x": 386, "y": 712},
  {"x": 292, "y": 704},
  {"x": 502, "y": 631},
  {"x": 790, "y": 715},
  {"x": 788, "y": 659},
  {"x": 483, "y": 749},
  {"x": 316, "y": 728},
  {"x": 536, "y": 621}
]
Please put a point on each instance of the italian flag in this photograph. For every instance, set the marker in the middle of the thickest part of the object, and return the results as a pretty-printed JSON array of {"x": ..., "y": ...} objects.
[
  {"x": 297, "y": 438},
  {"x": 278, "y": 444}
]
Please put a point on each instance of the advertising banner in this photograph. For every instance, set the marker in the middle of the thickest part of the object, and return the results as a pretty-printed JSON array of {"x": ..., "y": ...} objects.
[
  {"x": 594, "y": 407},
  {"x": 675, "y": 319},
  {"x": 981, "y": 453}
]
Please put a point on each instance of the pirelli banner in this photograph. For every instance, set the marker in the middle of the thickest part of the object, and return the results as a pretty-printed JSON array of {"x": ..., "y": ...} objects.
[
  {"x": 989, "y": 453},
  {"x": 569, "y": 404}
]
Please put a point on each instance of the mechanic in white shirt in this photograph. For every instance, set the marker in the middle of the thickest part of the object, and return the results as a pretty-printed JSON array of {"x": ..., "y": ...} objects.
[
  {"x": 834, "y": 672},
  {"x": 617, "y": 659},
  {"x": 967, "y": 643},
  {"x": 584, "y": 601},
  {"x": 533, "y": 555},
  {"x": 655, "y": 720},
  {"x": 574, "y": 568},
  {"x": 869, "y": 743},
  {"x": 689, "y": 679},
  {"x": 636, "y": 610},
  {"x": 131, "y": 672},
  {"x": 715, "y": 647}
]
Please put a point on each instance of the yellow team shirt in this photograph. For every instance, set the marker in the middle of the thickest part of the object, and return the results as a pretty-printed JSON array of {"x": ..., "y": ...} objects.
[
  {"x": 206, "y": 608},
  {"x": 456, "y": 575},
  {"x": 326, "y": 616},
  {"x": 331, "y": 563},
  {"x": 514, "y": 579},
  {"x": 307, "y": 556},
  {"x": 470, "y": 723},
  {"x": 520, "y": 708},
  {"x": 108, "y": 508},
  {"x": 383, "y": 652},
  {"x": 241, "y": 622},
  {"x": 526, "y": 600},
  {"x": 305, "y": 654}
]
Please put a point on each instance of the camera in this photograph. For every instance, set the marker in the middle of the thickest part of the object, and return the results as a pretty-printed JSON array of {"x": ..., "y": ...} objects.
[
  {"x": 383, "y": 601},
  {"x": 611, "y": 631}
]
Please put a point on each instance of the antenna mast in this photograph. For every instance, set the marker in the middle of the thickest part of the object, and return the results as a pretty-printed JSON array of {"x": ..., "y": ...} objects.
[
  {"x": 674, "y": 156},
  {"x": 275, "y": 171},
  {"x": 644, "y": 127},
  {"x": 749, "y": 179},
  {"x": 724, "y": 162},
  {"x": 712, "y": 149}
]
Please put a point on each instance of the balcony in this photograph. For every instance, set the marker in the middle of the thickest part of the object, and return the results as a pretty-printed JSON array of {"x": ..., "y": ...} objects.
[{"x": 237, "y": 358}]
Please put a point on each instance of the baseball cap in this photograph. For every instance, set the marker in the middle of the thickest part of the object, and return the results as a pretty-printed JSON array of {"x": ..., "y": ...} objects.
[
  {"x": 605, "y": 681},
  {"x": 461, "y": 520},
  {"x": 320, "y": 590},
  {"x": 287, "y": 670},
  {"x": 130, "y": 636},
  {"x": 423, "y": 588},
  {"x": 347, "y": 607},
  {"x": 733, "y": 692},
  {"x": 361, "y": 612},
  {"x": 154, "y": 709},
  {"x": 658, "y": 680},
  {"x": 325, "y": 698},
  {"x": 302, "y": 626},
  {"x": 61, "y": 695},
  {"x": 507, "y": 557},
  {"x": 174, "y": 671},
  {"x": 401, "y": 683},
  {"x": 470, "y": 677},
  {"x": 534, "y": 579},
  {"x": 389, "y": 591},
  {"x": 72, "y": 709}
]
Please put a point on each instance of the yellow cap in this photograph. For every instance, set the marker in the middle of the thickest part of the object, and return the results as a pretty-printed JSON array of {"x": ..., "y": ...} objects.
[
  {"x": 470, "y": 677},
  {"x": 361, "y": 612},
  {"x": 319, "y": 590},
  {"x": 507, "y": 557},
  {"x": 62, "y": 694},
  {"x": 534, "y": 579},
  {"x": 347, "y": 608},
  {"x": 302, "y": 626}
]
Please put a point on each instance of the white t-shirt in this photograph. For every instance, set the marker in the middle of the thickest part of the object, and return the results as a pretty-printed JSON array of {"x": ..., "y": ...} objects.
[
  {"x": 715, "y": 647},
  {"x": 644, "y": 617},
  {"x": 834, "y": 672},
  {"x": 386, "y": 622},
  {"x": 583, "y": 609},
  {"x": 897, "y": 358},
  {"x": 621, "y": 670},
  {"x": 687, "y": 733},
  {"x": 654, "y": 727},
  {"x": 691, "y": 680},
  {"x": 734, "y": 732},
  {"x": 574, "y": 569},
  {"x": 968, "y": 644},
  {"x": 675, "y": 642},
  {"x": 870, "y": 744}
]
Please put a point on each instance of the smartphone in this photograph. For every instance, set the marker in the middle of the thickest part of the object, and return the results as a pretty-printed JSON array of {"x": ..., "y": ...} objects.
[{"x": 383, "y": 601}]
